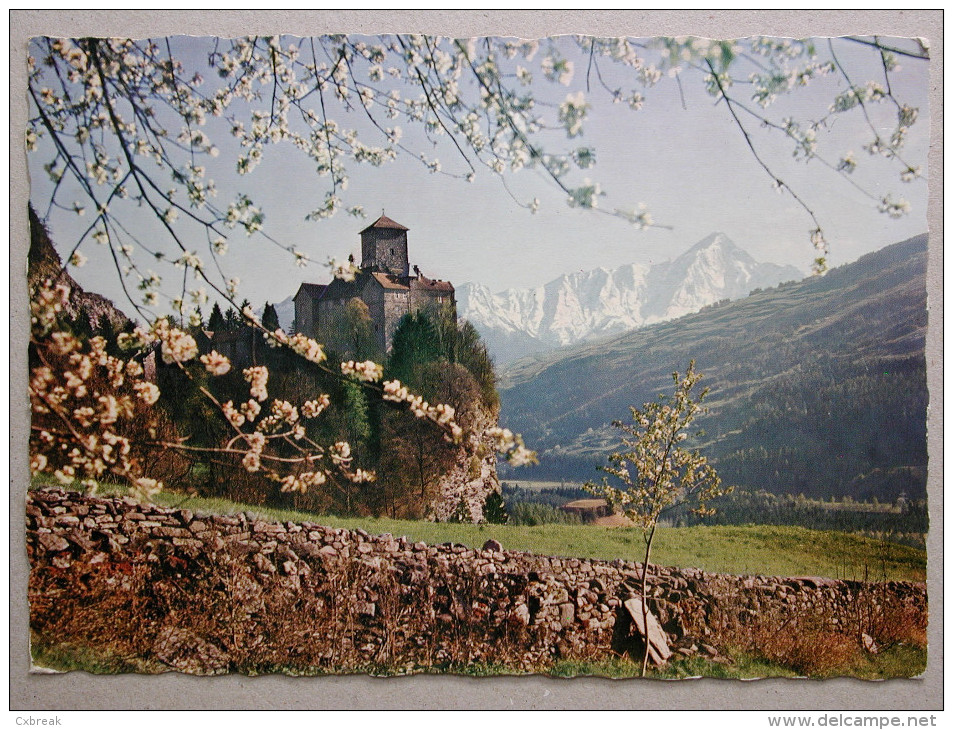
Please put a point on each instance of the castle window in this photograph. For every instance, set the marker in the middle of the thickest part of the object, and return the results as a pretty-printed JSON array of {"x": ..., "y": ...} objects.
[{"x": 392, "y": 252}]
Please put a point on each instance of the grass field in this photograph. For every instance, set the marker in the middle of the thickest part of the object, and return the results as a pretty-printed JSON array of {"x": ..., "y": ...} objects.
[
  {"x": 899, "y": 661},
  {"x": 763, "y": 550}
]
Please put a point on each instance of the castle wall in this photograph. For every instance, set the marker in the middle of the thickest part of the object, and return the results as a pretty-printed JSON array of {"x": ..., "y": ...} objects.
[
  {"x": 306, "y": 314},
  {"x": 421, "y": 298},
  {"x": 325, "y": 311},
  {"x": 397, "y": 304},
  {"x": 375, "y": 297}
]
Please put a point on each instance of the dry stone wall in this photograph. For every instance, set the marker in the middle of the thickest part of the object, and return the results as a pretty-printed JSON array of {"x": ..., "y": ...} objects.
[{"x": 385, "y": 599}]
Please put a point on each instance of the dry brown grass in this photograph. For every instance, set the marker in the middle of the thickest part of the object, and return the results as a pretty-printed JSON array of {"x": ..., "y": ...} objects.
[
  {"x": 889, "y": 618},
  {"x": 808, "y": 650},
  {"x": 818, "y": 642},
  {"x": 222, "y": 614},
  {"x": 232, "y": 612}
]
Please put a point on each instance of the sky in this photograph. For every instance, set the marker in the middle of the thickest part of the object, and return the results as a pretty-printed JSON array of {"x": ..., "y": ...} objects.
[{"x": 681, "y": 155}]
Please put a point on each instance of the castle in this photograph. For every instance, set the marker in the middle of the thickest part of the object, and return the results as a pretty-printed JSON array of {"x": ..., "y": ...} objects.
[{"x": 383, "y": 283}]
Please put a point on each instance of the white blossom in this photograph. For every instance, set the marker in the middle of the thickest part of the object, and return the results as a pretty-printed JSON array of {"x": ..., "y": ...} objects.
[{"x": 216, "y": 363}]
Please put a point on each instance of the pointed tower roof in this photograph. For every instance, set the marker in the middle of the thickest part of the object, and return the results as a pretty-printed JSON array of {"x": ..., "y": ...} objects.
[{"x": 385, "y": 222}]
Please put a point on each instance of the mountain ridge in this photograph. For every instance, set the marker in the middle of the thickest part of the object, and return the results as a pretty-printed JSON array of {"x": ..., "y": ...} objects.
[
  {"x": 854, "y": 337},
  {"x": 586, "y": 304}
]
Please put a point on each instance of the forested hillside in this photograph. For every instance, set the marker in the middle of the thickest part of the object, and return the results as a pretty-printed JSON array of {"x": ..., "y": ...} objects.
[{"x": 817, "y": 387}]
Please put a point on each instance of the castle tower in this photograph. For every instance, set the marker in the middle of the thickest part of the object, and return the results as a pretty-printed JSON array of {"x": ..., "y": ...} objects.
[{"x": 384, "y": 248}]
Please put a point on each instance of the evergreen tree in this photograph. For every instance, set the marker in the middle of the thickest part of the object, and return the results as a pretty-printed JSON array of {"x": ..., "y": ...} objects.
[
  {"x": 232, "y": 320},
  {"x": 415, "y": 344},
  {"x": 357, "y": 414},
  {"x": 269, "y": 318},
  {"x": 106, "y": 330},
  {"x": 494, "y": 509},
  {"x": 471, "y": 352},
  {"x": 216, "y": 321}
]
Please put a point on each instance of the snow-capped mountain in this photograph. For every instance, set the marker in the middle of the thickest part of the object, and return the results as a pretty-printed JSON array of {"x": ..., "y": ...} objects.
[
  {"x": 583, "y": 305},
  {"x": 285, "y": 310}
]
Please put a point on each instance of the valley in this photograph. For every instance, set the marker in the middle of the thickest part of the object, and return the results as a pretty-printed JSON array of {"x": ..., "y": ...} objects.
[{"x": 816, "y": 387}]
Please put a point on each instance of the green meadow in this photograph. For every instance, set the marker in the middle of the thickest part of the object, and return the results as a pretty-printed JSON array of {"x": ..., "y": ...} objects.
[{"x": 747, "y": 549}]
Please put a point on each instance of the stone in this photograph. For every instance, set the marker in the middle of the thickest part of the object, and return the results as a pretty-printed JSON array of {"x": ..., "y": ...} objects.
[
  {"x": 567, "y": 614},
  {"x": 263, "y": 564},
  {"x": 648, "y": 627},
  {"x": 52, "y": 543},
  {"x": 373, "y": 563},
  {"x": 183, "y": 650},
  {"x": 271, "y": 528},
  {"x": 286, "y": 553},
  {"x": 81, "y": 541},
  {"x": 492, "y": 545},
  {"x": 245, "y": 546},
  {"x": 870, "y": 646},
  {"x": 228, "y": 520}
]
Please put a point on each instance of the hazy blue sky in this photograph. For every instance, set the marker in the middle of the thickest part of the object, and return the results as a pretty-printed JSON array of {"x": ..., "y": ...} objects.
[{"x": 689, "y": 164}]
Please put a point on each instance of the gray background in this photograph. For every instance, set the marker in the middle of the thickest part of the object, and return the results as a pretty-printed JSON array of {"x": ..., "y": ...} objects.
[{"x": 78, "y": 690}]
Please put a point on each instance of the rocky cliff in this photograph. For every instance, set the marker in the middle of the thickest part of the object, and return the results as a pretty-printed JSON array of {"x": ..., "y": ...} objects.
[
  {"x": 45, "y": 264},
  {"x": 463, "y": 489}
]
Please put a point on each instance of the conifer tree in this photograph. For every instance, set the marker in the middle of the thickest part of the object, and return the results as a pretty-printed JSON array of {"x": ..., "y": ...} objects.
[
  {"x": 216, "y": 320},
  {"x": 269, "y": 317}
]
